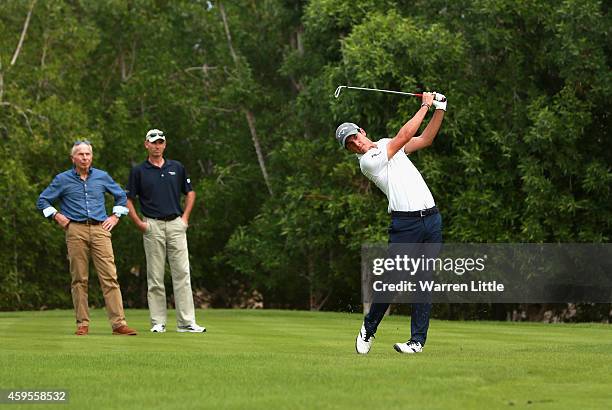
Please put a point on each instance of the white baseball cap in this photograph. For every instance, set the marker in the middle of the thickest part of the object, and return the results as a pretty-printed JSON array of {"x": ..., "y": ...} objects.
[{"x": 154, "y": 135}]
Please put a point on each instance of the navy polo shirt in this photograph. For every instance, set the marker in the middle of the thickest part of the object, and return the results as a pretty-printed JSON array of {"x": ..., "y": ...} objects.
[{"x": 159, "y": 189}]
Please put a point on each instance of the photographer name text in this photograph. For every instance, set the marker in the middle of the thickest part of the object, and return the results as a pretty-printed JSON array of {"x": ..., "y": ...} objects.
[{"x": 431, "y": 286}]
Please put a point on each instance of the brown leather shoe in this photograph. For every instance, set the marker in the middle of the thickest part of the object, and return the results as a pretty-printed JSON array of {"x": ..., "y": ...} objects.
[
  {"x": 125, "y": 331},
  {"x": 82, "y": 331}
]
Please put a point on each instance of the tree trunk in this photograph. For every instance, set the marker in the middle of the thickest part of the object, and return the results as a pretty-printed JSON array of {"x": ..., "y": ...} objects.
[
  {"x": 1, "y": 83},
  {"x": 250, "y": 117},
  {"x": 127, "y": 69},
  {"x": 260, "y": 158},
  {"x": 43, "y": 58},
  {"x": 316, "y": 299},
  {"x": 26, "y": 24}
]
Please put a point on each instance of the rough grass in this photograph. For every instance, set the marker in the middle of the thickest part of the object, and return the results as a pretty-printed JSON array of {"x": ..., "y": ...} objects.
[{"x": 288, "y": 359}]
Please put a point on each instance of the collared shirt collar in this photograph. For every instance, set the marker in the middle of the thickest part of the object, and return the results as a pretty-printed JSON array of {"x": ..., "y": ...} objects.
[
  {"x": 76, "y": 173},
  {"x": 148, "y": 163}
]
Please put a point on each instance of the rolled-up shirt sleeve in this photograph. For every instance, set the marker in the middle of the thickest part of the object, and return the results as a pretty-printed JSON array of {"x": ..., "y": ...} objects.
[
  {"x": 119, "y": 194},
  {"x": 49, "y": 196}
]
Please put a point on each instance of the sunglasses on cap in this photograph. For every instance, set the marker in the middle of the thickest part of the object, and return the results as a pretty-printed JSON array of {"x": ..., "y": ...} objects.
[
  {"x": 359, "y": 130},
  {"x": 79, "y": 142},
  {"x": 155, "y": 134}
]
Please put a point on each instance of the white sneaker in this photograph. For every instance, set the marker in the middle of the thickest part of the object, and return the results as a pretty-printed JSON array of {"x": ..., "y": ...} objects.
[
  {"x": 364, "y": 341},
  {"x": 158, "y": 328},
  {"x": 409, "y": 347},
  {"x": 192, "y": 328}
]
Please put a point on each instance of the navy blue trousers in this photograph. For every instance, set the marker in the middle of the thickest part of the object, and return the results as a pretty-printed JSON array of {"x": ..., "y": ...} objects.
[{"x": 410, "y": 230}]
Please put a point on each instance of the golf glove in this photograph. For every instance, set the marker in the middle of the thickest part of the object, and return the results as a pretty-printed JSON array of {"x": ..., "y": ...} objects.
[{"x": 439, "y": 101}]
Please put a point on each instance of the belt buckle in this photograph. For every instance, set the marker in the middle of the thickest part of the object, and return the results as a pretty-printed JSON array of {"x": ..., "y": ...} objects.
[{"x": 422, "y": 212}]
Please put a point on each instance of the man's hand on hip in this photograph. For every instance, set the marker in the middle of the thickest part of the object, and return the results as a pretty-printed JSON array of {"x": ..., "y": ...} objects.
[
  {"x": 61, "y": 220},
  {"x": 110, "y": 222}
]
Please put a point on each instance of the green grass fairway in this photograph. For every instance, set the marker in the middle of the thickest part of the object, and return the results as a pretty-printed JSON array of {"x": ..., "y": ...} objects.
[{"x": 287, "y": 359}]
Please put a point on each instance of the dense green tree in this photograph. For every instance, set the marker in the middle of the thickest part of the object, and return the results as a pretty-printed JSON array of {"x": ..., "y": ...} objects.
[{"x": 244, "y": 91}]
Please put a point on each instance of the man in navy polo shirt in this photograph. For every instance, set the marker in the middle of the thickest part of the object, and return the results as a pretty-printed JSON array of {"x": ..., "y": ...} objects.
[
  {"x": 414, "y": 215},
  {"x": 158, "y": 184},
  {"x": 80, "y": 192}
]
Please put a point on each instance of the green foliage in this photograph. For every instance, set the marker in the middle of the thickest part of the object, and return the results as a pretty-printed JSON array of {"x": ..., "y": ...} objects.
[{"x": 522, "y": 155}]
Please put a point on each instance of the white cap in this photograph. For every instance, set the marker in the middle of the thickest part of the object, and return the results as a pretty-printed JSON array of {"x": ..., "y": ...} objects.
[{"x": 154, "y": 135}]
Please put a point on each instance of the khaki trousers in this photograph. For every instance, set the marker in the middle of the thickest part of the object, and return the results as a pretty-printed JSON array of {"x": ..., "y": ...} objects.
[
  {"x": 168, "y": 239},
  {"x": 83, "y": 242}
]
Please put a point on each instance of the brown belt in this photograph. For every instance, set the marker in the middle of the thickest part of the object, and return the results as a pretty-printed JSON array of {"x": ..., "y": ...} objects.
[{"x": 87, "y": 222}]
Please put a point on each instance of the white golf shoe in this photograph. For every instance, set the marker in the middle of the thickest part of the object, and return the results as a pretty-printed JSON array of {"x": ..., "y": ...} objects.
[
  {"x": 364, "y": 341},
  {"x": 158, "y": 328},
  {"x": 409, "y": 347},
  {"x": 192, "y": 328}
]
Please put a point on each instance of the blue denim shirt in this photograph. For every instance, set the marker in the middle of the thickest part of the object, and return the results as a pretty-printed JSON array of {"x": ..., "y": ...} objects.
[{"x": 82, "y": 199}]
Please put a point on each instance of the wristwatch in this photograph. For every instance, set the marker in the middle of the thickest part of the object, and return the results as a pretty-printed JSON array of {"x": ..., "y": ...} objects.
[{"x": 118, "y": 215}]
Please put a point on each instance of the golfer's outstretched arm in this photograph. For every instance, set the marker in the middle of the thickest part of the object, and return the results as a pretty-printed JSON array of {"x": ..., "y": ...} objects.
[
  {"x": 409, "y": 129},
  {"x": 426, "y": 138}
]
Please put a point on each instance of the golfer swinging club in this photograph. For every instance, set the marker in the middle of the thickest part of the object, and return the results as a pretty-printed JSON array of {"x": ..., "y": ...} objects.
[{"x": 414, "y": 216}]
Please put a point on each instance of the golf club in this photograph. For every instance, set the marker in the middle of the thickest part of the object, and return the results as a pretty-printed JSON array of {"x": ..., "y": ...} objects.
[{"x": 339, "y": 90}]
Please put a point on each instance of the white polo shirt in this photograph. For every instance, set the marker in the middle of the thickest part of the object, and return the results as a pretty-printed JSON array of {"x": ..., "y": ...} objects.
[{"x": 398, "y": 178}]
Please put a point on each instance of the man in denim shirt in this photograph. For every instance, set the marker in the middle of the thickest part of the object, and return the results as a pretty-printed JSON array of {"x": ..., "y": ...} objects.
[{"x": 80, "y": 192}]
